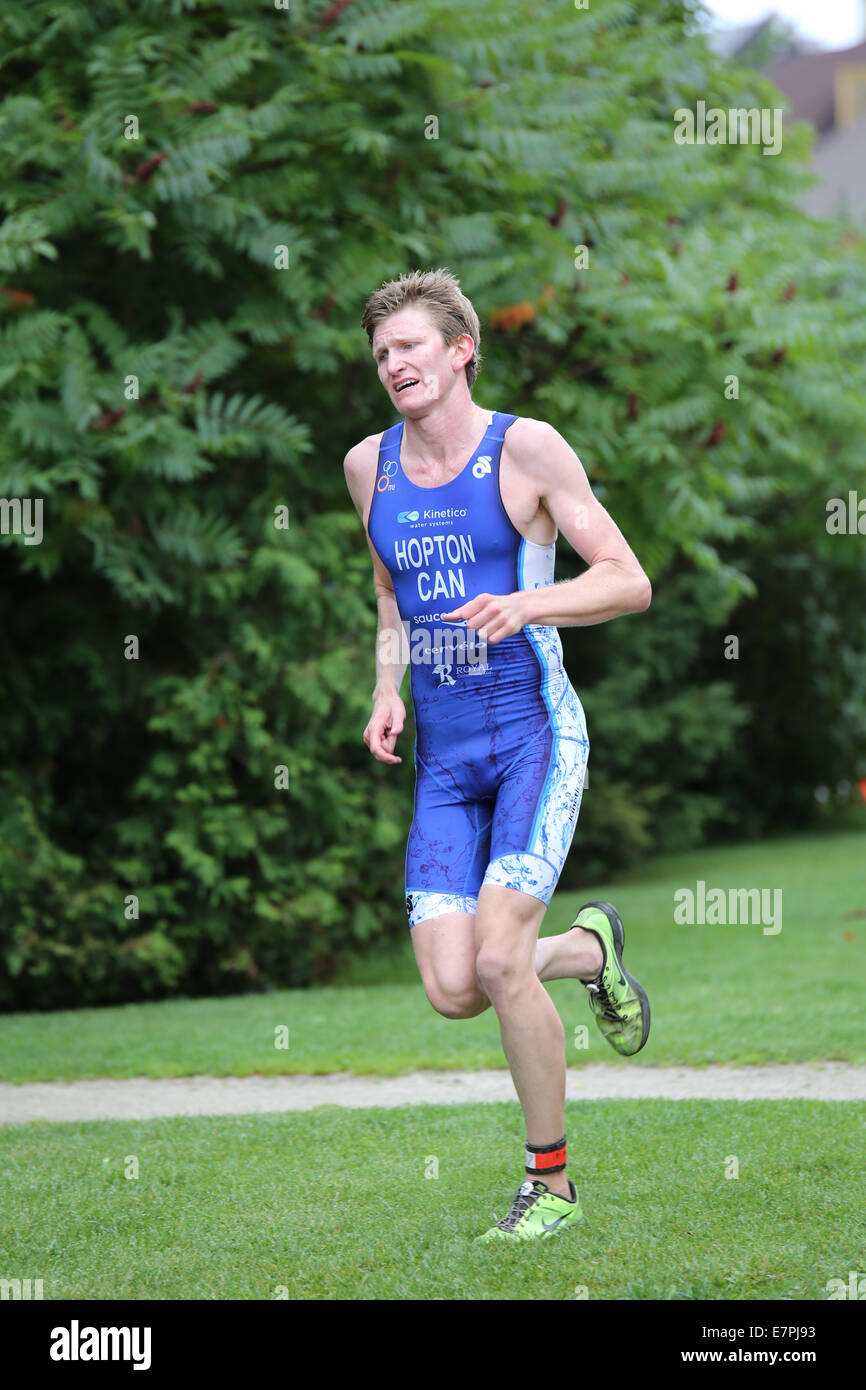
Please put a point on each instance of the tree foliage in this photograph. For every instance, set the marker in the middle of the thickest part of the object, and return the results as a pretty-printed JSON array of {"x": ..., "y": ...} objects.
[{"x": 198, "y": 198}]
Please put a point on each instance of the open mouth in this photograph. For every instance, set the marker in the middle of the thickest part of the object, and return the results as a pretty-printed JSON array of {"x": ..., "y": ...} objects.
[{"x": 404, "y": 385}]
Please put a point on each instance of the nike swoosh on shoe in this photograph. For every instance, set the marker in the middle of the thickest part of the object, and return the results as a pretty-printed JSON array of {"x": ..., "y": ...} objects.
[{"x": 552, "y": 1225}]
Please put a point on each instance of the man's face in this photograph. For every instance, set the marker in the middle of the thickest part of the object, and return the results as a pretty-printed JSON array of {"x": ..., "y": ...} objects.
[{"x": 407, "y": 347}]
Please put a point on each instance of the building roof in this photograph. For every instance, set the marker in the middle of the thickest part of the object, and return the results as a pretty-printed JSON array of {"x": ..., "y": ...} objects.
[
  {"x": 808, "y": 83},
  {"x": 729, "y": 42}
]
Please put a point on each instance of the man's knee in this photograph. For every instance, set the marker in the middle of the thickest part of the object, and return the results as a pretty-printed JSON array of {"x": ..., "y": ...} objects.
[
  {"x": 502, "y": 972},
  {"x": 457, "y": 1003},
  {"x": 507, "y": 925}
]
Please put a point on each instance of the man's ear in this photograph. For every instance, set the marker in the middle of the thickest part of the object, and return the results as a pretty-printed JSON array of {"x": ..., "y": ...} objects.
[{"x": 464, "y": 339}]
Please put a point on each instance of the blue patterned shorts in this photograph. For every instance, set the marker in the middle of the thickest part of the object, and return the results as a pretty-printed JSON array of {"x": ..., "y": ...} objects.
[{"x": 506, "y": 817}]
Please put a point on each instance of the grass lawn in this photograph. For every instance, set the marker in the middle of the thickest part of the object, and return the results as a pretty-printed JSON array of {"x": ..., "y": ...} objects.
[
  {"x": 719, "y": 993},
  {"x": 240, "y": 1207}
]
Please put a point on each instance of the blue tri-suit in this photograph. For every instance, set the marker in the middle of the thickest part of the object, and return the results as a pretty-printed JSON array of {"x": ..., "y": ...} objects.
[{"x": 501, "y": 745}]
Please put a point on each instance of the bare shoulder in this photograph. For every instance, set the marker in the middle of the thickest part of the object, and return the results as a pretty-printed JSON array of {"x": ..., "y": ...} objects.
[
  {"x": 525, "y": 429},
  {"x": 362, "y": 456},
  {"x": 533, "y": 445},
  {"x": 359, "y": 466}
]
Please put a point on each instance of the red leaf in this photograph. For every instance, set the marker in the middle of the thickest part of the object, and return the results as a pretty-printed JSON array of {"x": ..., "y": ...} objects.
[
  {"x": 195, "y": 385},
  {"x": 18, "y": 297},
  {"x": 556, "y": 217},
  {"x": 144, "y": 170},
  {"x": 107, "y": 420},
  {"x": 324, "y": 309},
  {"x": 512, "y": 316},
  {"x": 332, "y": 14}
]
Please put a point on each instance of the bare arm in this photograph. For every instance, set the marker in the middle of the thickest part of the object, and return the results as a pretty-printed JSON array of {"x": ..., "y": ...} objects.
[
  {"x": 614, "y": 583},
  {"x": 389, "y": 712}
]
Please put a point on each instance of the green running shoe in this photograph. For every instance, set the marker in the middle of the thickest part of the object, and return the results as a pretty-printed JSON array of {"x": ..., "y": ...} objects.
[
  {"x": 535, "y": 1214},
  {"x": 621, "y": 1007}
]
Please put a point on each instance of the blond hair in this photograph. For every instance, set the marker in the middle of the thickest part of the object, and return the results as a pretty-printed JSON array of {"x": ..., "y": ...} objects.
[{"x": 437, "y": 291}]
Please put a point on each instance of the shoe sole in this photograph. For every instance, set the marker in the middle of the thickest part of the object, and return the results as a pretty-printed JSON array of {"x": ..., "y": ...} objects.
[
  {"x": 618, "y": 929},
  {"x": 559, "y": 1231}
]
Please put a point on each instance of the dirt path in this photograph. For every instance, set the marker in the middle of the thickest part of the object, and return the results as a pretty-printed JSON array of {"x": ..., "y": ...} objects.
[{"x": 142, "y": 1098}]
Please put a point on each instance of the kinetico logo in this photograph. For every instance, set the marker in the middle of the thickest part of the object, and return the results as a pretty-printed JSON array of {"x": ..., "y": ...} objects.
[{"x": 408, "y": 516}]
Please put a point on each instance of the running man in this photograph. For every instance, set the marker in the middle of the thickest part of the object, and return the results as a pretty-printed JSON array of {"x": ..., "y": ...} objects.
[{"x": 461, "y": 507}]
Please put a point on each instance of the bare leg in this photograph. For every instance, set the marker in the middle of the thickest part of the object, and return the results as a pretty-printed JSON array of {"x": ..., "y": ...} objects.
[
  {"x": 506, "y": 927},
  {"x": 573, "y": 955},
  {"x": 445, "y": 949}
]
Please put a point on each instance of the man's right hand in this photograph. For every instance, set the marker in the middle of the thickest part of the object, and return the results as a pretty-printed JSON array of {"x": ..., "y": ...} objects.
[{"x": 386, "y": 722}]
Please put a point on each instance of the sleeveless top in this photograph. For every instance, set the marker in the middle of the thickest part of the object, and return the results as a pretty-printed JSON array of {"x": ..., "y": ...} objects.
[{"x": 443, "y": 546}]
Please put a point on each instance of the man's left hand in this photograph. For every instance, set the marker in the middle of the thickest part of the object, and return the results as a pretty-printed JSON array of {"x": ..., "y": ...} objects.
[{"x": 493, "y": 616}]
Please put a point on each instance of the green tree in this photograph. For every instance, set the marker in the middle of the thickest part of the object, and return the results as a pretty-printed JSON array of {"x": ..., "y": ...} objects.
[{"x": 197, "y": 200}]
